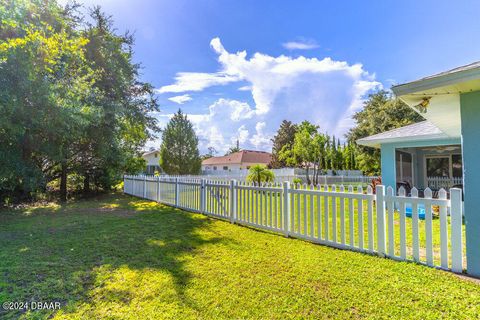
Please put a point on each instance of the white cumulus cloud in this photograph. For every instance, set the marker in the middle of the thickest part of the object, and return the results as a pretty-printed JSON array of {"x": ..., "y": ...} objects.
[
  {"x": 324, "y": 91},
  {"x": 196, "y": 81},
  {"x": 181, "y": 99},
  {"x": 260, "y": 140},
  {"x": 304, "y": 44}
]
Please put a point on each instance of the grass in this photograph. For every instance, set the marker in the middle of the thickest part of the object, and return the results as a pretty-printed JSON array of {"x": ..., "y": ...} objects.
[
  {"x": 118, "y": 257},
  {"x": 265, "y": 208}
]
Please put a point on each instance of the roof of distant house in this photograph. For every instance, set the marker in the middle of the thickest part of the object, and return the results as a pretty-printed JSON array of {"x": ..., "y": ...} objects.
[
  {"x": 150, "y": 152},
  {"x": 244, "y": 156},
  {"x": 424, "y": 130}
]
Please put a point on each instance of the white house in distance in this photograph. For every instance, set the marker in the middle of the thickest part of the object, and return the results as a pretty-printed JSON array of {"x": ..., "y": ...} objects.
[
  {"x": 237, "y": 161},
  {"x": 153, "y": 161}
]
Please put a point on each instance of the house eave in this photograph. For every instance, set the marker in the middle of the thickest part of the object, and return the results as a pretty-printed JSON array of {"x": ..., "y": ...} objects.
[
  {"x": 376, "y": 143},
  {"x": 423, "y": 86}
]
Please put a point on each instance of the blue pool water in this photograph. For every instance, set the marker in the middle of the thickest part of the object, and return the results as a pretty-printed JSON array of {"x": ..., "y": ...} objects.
[{"x": 421, "y": 211}]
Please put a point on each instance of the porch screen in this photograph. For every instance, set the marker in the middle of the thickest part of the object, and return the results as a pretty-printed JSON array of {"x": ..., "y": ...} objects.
[
  {"x": 457, "y": 169},
  {"x": 404, "y": 167},
  {"x": 438, "y": 167}
]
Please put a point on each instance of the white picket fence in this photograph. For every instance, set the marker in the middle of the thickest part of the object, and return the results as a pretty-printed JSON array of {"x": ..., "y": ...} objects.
[
  {"x": 322, "y": 179},
  {"x": 443, "y": 182},
  {"x": 423, "y": 230}
]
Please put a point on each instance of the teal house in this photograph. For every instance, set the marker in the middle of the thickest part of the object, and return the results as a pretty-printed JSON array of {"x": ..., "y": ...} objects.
[{"x": 444, "y": 150}]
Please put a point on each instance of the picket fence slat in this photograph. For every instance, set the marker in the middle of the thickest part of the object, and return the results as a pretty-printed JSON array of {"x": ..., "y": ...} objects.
[
  {"x": 403, "y": 232},
  {"x": 415, "y": 235},
  {"x": 428, "y": 227},
  {"x": 370, "y": 221},
  {"x": 391, "y": 217},
  {"x": 443, "y": 231},
  {"x": 360, "y": 219},
  {"x": 320, "y": 213}
]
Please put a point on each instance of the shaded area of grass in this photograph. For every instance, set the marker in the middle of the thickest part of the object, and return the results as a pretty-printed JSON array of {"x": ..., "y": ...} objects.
[{"x": 121, "y": 257}]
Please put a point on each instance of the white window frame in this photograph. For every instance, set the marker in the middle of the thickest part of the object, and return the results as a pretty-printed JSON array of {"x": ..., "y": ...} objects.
[{"x": 450, "y": 164}]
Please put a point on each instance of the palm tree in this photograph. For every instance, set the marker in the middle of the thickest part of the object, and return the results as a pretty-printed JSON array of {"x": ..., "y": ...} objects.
[{"x": 259, "y": 173}]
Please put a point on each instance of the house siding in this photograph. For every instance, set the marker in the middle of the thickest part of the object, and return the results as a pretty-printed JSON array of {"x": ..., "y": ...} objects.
[{"x": 470, "y": 115}]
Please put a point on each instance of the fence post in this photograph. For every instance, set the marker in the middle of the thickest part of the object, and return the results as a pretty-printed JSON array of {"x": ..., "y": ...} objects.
[
  {"x": 202, "y": 196},
  {"x": 133, "y": 185},
  {"x": 144, "y": 186},
  {"x": 381, "y": 230},
  {"x": 176, "y": 192},
  {"x": 158, "y": 189},
  {"x": 286, "y": 208},
  {"x": 233, "y": 200},
  {"x": 456, "y": 225}
]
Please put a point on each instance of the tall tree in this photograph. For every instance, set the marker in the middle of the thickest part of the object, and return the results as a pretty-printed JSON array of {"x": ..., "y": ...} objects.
[
  {"x": 233, "y": 149},
  {"x": 42, "y": 89},
  {"x": 70, "y": 99},
  {"x": 381, "y": 112},
  {"x": 179, "y": 149},
  {"x": 121, "y": 104},
  {"x": 211, "y": 153},
  {"x": 307, "y": 150},
  {"x": 284, "y": 138}
]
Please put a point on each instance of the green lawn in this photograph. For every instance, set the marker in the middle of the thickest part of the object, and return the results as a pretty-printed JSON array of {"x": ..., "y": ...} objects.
[{"x": 121, "y": 257}]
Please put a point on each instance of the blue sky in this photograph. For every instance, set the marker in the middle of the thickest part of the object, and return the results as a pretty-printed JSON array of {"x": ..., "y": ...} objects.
[{"x": 239, "y": 67}]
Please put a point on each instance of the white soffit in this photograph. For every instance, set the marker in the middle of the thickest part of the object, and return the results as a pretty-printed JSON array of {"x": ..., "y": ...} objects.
[{"x": 443, "y": 111}]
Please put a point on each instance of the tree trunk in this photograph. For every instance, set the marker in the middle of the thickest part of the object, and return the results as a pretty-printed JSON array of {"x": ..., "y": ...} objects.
[
  {"x": 86, "y": 183},
  {"x": 63, "y": 183},
  {"x": 308, "y": 176}
]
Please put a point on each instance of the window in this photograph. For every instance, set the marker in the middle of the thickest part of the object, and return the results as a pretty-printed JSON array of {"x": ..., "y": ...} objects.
[
  {"x": 156, "y": 155},
  {"x": 225, "y": 168},
  {"x": 214, "y": 168},
  {"x": 438, "y": 167},
  {"x": 457, "y": 166}
]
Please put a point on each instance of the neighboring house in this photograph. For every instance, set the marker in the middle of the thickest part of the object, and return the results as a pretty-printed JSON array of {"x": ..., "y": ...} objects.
[
  {"x": 241, "y": 160},
  {"x": 153, "y": 161},
  {"x": 446, "y": 147}
]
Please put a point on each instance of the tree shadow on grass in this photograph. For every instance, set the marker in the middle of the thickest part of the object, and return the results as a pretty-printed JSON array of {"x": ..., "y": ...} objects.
[{"x": 66, "y": 255}]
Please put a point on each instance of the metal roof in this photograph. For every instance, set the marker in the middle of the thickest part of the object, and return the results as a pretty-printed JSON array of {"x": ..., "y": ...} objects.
[{"x": 424, "y": 130}]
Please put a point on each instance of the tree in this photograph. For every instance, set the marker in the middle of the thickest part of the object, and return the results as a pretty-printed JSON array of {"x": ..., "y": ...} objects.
[
  {"x": 381, "y": 112},
  {"x": 70, "y": 100},
  {"x": 234, "y": 149},
  {"x": 179, "y": 149},
  {"x": 121, "y": 104},
  {"x": 283, "y": 139},
  {"x": 260, "y": 173},
  {"x": 307, "y": 151},
  {"x": 40, "y": 57},
  {"x": 211, "y": 153}
]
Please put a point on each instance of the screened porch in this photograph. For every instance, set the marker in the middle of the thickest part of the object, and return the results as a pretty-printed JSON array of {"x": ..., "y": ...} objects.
[{"x": 434, "y": 167}]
